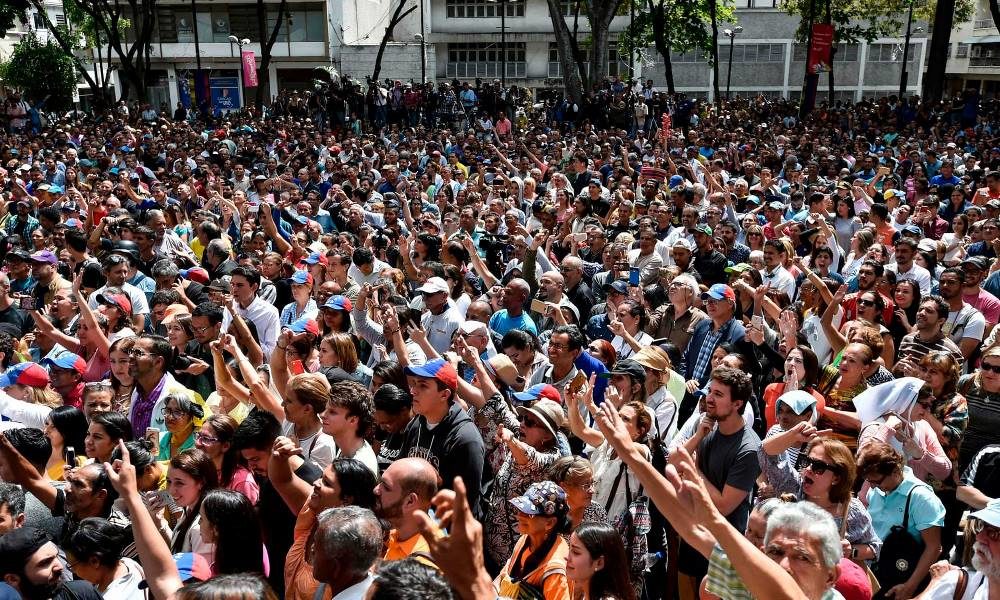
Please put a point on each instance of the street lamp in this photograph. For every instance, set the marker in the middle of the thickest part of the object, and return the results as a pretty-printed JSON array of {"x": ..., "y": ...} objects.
[
  {"x": 240, "y": 42},
  {"x": 903, "y": 75},
  {"x": 731, "y": 34},
  {"x": 503, "y": 41},
  {"x": 423, "y": 55}
]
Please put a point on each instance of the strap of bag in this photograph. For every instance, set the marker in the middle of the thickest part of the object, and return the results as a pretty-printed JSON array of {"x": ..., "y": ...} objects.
[
  {"x": 614, "y": 487},
  {"x": 961, "y": 584},
  {"x": 906, "y": 509},
  {"x": 843, "y": 520}
]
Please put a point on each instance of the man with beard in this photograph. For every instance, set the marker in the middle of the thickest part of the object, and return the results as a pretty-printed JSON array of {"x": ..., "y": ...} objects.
[
  {"x": 965, "y": 325},
  {"x": 952, "y": 582},
  {"x": 408, "y": 485},
  {"x": 30, "y": 564}
]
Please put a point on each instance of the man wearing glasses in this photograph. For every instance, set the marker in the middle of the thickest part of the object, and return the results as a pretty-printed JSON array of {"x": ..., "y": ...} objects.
[{"x": 948, "y": 582}]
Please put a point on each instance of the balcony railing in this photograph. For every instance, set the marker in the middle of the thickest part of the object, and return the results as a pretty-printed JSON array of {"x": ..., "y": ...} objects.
[
  {"x": 986, "y": 23},
  {"x": 515, "y": 70},
  {"x": 985, "y": 61}
]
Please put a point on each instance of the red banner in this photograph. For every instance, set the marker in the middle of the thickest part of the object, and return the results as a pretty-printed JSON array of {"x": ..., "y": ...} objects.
[
  {"x": 821, "y": 49},
  {"x": 249, "y": 69}
]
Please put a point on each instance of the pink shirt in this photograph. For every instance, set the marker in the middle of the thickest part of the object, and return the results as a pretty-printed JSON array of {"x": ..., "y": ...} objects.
[
  {"x": 244, "y": 483},
  {"x": 986, "y": 303}
]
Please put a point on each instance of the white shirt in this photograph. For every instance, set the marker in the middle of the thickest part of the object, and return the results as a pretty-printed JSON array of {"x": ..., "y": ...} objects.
[
  {"x": 967, "y": 322},
  {"x": 780, "y": 279},
  {"x": 265, "y": 318},
  {"x": 916, "y": 273},
  {"x": 126, "y": 587},
  {"x": 441, "y": 327},
  {"x": 366, "y": 455},
  {"x": 977, "y": 587},
  {"x": 25, "y": 413},
  {"x": 358, "y": 591},
  {"x": 377, "y": 267},
  {"x": 318, "y": 447}
]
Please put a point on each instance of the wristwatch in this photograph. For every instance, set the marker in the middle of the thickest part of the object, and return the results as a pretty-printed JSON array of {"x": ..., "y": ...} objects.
[{"x": 854, "y": 552}]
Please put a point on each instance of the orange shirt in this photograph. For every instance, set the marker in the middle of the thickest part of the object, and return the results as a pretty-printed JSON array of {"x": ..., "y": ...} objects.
[
  {"x": 399, "y": 549},
  {"x": 299, "y": 582},
  {"x": 549, "y": 577}
]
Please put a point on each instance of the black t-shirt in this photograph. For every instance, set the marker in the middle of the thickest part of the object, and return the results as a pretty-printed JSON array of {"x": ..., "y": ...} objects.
[
  {"x": 984, "y": 471},
  {"x": 18, "y": 318},
  {"x": 278, "y": 521},
  {"x": 731, "y": 460}
]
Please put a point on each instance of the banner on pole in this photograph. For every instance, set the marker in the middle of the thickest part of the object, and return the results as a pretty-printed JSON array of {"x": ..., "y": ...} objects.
[
  {"x": 821, "y": 49},
  {"x": 249, "y": 69}
]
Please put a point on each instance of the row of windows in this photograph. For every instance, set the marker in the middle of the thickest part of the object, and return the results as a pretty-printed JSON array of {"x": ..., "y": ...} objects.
[
  {"x": 301, "y": 23},
  {"x": 961, "y": 50},
  {"x": 890, "y": 53},
  {"x": 753, "y": 53},
  {"x": 467, "y": 61},
  {"x": 844, "y": 53},
  {"x": 469, "y": 9},
  {"x": 615, "y": 66}
]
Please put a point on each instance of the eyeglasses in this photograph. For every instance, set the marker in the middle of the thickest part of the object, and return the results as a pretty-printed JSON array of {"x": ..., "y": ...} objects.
[
  {"x": 201, "y": 329},
  {"x": 553, "y": 346},
  {"x": 876, "y": 482},
  {"x": 979, "y": 526},
  {"x": 991, "y": 368},
  {"x": 205, "y": 439},
  {"x": 138, "y": 353},
  {"x": 863, "y": 302},
  {"x": 528, "y": 422},
  {"x": 172, "y": 413},
  {"x": 819, "y": 467}
]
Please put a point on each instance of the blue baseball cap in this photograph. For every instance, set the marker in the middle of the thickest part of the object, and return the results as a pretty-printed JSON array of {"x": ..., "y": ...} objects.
[
  {"x": 439, "y": 369},
  {"x": 56, "y": 189},
  {"x": 675, "y": 180},
  {"x": 65, "y": 359},
  {"x": 27, "y": 373},
  {"x": 316, "y": 258},
  {"x": 305, "y": 325},
  {"x": 539, "y": 391},
  {"x": 338, "y": 303},
  {"x": 302, "y": 278}
]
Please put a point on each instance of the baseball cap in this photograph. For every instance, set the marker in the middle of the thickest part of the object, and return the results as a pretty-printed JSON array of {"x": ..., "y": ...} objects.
[
  {"x": 979, "y": 262},
  {"x": 316, "y": 258},
  {"x": 683, "y": 243},
  {"x": 990, "y": 514},
  {"x": 913, "y": 229},
  {"x": 119, "y": 301},
  {"x": 18, "y": 254},
  {"x": 64, "y": 359},
  {"x": 304, "y": 325},
  {"x": 719, "y": 291},
  {"x": 434, "y": 285},
  {"x": 853, "y": 582},
  {"x": 439, "y": 369},
  {"x": 541, "y": 498},
  {"x": 45, "y": 256},
  {"x": 618, "y": 286},
  {"x": 538, "y": 392},
  {"x": 302, "y": 278},
  {"x": 29, "y": 373},
  {"x": 548, "y": 412},
  {"x": 701, "y": 228},
  {"x": 174, "y": 311},
  {"x": 338, "y": 303},
  {"x": 221, "y": 285},
  {"x": 675, "y": 180},
  {"x": 471, "y": 327},
  {"x": 55, "y": 189},
  {"x": 798, "y": 400},
  {"x": 17, "y": 546},
  {"x": 774, "y": 204},
  {"x": 631, "y": 368},
  {"x": 196, "y": 274}
]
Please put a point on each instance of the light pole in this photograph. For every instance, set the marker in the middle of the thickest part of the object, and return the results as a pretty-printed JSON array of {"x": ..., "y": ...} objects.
[
  {"x": 240, "y": 42},
  {"x": 903, "y": 75},
  {"x": 503, "y": 41},
  {"x": 731, "y": 34},
  {"x": 423, "y": 58}
]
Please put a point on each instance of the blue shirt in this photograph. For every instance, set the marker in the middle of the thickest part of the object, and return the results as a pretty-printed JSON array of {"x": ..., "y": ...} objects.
[
  {"x": 886, "y": 510},
  {"x": 501, "y": 323}
]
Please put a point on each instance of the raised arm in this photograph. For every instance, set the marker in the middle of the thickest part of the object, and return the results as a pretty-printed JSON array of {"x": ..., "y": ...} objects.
[
  {"x": 239, "y": 329},
  {"x": 286, "y": 456},
  {"x": 87, "y": 314},
  {"x": 260, "y": 393},
  {"x": 25, "y": 474},
  {"x": 580, "y": 429},
  {"x": 223, "y": 378}
]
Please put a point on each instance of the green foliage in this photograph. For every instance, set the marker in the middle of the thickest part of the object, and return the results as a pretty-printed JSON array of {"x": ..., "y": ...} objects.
[
  {"x": 853, "y": 20},
  {"x": 42, "y": 71},
  {"x": 9, "y": 15},
  {"x": 687, "y": 26}
]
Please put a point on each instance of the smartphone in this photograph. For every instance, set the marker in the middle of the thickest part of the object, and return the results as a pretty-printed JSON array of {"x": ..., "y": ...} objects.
[
  {"x": 26, "y": 303},
  {"x": 297, "y": 367},
  {"x": 153, "y": 435},
  {"x": 883, "y": 171},
  {"x": 633, "y": 276},
  {"x": 70, "y": 457},
  {"x": 538, "y": 306},
  {"x": 757, "y": 321}
]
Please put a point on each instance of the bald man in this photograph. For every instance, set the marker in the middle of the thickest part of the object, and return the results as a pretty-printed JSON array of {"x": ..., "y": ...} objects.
[{"x": 406, "y": 486}]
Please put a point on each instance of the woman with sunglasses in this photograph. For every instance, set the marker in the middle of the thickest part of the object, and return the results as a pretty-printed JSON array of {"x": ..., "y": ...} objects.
[
  {"x": 215, "y": 438},
  {"x": 892, "y": 487},
  {"x": 981, "y": 390},
  {"x": 520, "y": 445}
]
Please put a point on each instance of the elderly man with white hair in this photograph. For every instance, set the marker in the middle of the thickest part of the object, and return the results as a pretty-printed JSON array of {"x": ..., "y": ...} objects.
[{"x": 950, "y": 582}]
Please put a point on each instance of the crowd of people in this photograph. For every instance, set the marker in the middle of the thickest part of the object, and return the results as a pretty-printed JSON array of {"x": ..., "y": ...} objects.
[{"x": 713, "y": 352}]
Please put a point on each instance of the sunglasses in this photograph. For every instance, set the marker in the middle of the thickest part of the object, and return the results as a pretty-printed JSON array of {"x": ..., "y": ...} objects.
[
  {"x": 528, "y": 422},
  {"x": 862, "y": 302},
  {"x": 819, "y": 467},
  {"x": 992, "y": 368},
  {"x": 979, "y": 526}
]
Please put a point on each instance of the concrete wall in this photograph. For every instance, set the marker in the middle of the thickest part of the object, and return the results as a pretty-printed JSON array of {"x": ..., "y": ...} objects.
[{"x": 400, "y": 61}]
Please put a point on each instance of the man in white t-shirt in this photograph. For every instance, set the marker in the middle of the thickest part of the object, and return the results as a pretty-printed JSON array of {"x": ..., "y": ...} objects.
[
  {"x": 965, "y": 325},
  {"x": 905, "y": 268},
  {"x": 947, "y": 581}
]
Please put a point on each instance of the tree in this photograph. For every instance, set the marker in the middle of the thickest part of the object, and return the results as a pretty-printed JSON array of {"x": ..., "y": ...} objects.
[
  {"x": 29, "y": 60},
  {"x": 995, "y": 13},
  {"x": 11, "y": 11},
  {"x": 599, "y": 14},
  {"x": 398, "y": 15},
  {"x": 266, "y": 45},
  {"x": 674, "y": 26},
  {"x": 568, "y": 51}
]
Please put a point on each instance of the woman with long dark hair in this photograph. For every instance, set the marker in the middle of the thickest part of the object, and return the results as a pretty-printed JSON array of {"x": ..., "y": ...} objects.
[
  {"x": 103, "y": 434},
  {"x": 229, "y": 521},
  {"x": 537, "y": 567},
  {"x": 907, "y": 299},
  {"x": 215, "y": 438},
  {"x": 122, "y": 380},
  {"x": 596, "y": 566},
  {"x": 191, "y": 475},
  {"x": 94, "y": 549},
  {"x": 66, "y": 427}
]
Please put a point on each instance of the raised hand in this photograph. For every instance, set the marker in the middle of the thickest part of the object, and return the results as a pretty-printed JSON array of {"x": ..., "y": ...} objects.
[{"x": 122, "y": 474}]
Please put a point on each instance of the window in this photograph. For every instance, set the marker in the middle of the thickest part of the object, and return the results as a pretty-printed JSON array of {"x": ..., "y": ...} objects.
[
  {"x": 38, "y": 20},
  {"x": 693, "y": 56},
  {"x": 243, "y": 21},
  {"x": 568, "y": 7},
  {"x": 468, "y": 61},
  {"x": 615, "y": 66},
  {"x": 475, "y": 9},
  {"x": 60, "y": 20},
  {"x": 845, "y": 53},
  {"x": 753, "y": 53},
  {"x": 961, "y": 50},
  {"x": 890, "y": 53}
]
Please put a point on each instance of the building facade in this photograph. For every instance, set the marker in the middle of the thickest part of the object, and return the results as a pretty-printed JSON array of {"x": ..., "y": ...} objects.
[{"x": 974, "y": 55}]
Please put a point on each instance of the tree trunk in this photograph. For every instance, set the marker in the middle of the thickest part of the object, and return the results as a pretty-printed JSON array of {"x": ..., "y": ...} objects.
[
  {"x": 266, "y": 46},
  {"x": 564, "y": 48},
  {"x": 661, "y": 42},
  {"x": 574, "y": 45},
  {"x": 938, "y": 53},
  {"x": 713, "y": 7},
  {"x": 833, "y": 53},
  {"x": 995, "y": 12},
  {"x": 397, "y": 16},
  {"x": 600, "y": 15}
]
